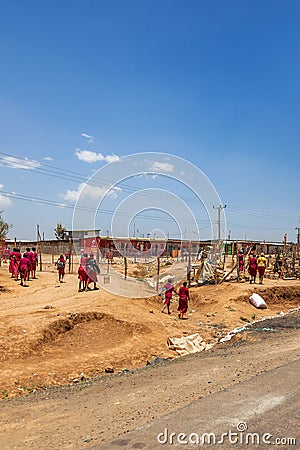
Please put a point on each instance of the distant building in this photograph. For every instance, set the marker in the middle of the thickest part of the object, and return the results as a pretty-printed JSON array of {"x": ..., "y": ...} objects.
[{"x": 82, "y": 234}]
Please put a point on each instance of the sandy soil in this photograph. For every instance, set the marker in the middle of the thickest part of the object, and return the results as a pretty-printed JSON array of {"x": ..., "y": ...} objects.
[{"x": 53, "y": 335}]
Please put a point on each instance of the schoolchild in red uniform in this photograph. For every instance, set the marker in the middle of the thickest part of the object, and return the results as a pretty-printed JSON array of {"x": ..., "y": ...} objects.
[
  {"x": 60, "y": 265},
  {"x": 24, "y": 268},
  {"x": 82, "y": 276}
]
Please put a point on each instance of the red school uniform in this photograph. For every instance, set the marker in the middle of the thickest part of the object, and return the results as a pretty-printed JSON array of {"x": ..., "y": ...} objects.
[
  {"x": 82, "y": 275},
  {"x": 24, "y": 267},
  {"x": 60, "y": 264},
  {"x": 183, "y": 299}
]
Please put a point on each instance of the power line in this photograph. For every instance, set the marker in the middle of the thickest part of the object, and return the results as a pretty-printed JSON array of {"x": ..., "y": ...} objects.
[
  {"x": 68, "y": 175},
  {"x": 255, "y": 213},
  {"x": 41, "y": 201}
]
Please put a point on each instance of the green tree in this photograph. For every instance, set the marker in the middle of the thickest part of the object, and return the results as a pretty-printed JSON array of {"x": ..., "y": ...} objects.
[
  {"x": 4, "y": 227},
  {"x": 60, "y": 231}
]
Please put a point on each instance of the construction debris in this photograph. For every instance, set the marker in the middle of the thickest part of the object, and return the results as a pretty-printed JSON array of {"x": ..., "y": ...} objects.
[{"x": 188, "y": 344}]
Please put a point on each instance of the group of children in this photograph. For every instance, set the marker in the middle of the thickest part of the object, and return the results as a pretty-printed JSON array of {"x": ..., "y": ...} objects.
[
  {"x": 87, "y": 272},
  {"x": 184, "y": 297},
  {"x": 255, "y": 264},
  {"x": 23, "y": 266}
]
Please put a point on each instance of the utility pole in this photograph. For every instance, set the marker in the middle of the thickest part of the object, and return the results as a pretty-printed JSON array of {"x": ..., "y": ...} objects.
[{"x": 219, "y": 208}]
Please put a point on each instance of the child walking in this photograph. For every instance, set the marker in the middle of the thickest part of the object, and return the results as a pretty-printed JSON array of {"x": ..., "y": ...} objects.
[
  {"x": 82, "y": 275},
  {"x": 169, "y": 289},
  {"x": 184, "y": 297},
  {"x": 24, "y": 268},
  {"x": 60, "y": 265}
]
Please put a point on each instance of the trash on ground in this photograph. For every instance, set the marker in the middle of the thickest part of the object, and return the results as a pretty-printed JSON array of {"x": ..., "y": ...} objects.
[
  {"x": 257, "y": 301},
  {"x": 188, "y": 344}
]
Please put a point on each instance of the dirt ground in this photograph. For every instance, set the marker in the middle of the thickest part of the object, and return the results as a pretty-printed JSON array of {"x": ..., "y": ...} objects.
[{"x": 50, "y": 334}]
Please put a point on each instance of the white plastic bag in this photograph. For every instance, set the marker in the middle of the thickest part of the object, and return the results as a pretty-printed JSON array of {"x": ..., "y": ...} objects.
[{"x": 257, "y": 301}]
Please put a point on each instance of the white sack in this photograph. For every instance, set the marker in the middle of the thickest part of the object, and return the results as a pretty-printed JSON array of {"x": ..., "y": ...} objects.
[{"x": 257, "y": 301}]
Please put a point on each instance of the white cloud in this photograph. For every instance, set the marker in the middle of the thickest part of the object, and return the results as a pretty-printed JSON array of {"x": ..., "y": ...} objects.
[
  {"x": 158, "y": 166},
  {"x": 5, "y": 202},
  {"x": 92, "y": 157},
  {"x": 71, "y": 196},
  {"x": 89, "y": 137},
  {"x": 112, "y": 158},
  {"x": 18, "y": 163},
  {"x": 48, "y": 158},
  {"x": 146, "y": 175},
  {"x": 92, "y": 192}
]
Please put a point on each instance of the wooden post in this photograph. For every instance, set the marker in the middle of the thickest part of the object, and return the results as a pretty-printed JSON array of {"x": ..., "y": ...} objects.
[
  {"x": 40, "y": 256},
  {"x": 98, "y": 255},
  {"x": 237, "y": 262},
  {"x": 189, "y": 270},
  {"x": 158, "y": 270},
  {"x": 39, "y": 246},
  {"x": 125, "y": 267},
  {"x": 227, "y": 275},
  {"x": 71, "y": 255},
  {"x": 283, "y": 256},
  {"x": 293, "y": 260},
  {"x": 52, "y": 252},
  {"x": 2, "y": 247},
  {"x": 199, "y": 270}
]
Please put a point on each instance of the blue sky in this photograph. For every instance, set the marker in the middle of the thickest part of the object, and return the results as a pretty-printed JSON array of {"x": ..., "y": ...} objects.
[{"x": 216, "y": 83}]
